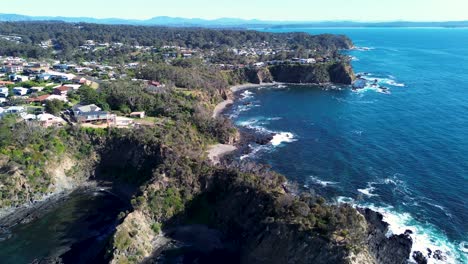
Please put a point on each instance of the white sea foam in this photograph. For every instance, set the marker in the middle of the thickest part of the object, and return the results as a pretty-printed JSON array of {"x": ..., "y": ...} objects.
[
  {"x": 424, "y": 235},
  {"x": 368, "y": 191},
  {"x": 282, "y": 137},
  {"x": 363, "y": 48},
  {"x": 344, "y": 199},
  {"x": 377, "y": 83},
  {"x": 322, "y": 183},
  {"x": 464, "y": 247},
  {"x": 246, "y": 94}
]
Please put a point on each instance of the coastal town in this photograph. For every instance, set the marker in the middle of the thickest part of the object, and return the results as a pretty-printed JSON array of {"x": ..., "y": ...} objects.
[{"x": 46, "y": 91}]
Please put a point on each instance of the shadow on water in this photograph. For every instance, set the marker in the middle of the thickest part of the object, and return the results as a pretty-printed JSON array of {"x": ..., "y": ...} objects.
[{"x": 75, "y": 231}]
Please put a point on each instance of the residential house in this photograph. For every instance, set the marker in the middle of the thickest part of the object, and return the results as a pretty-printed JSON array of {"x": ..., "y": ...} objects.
[
  {"x": 307, "y": 61},
  {"x": 20, "y": 91},
  {"x": 73, "y": 87},
  {"x": 13, "y": 68},
  {"x": 39, "y": 99},
  {"x": 44, "y": 77},
  {"x": 61, "y": 67},
  {"x": 19, "y": 78},
  {"x": 47, "y": 120},
  {"x": 3, "y": 83},
  {"x": 4, "y": 92},
  {"x": 62, "y": 90},
  {"x": 155, "y": 87},
  {"x": 47, "y": 97},
  {"x": 91, "y": 113},
  {"x": 36, "y": 89},
  {"x": 15, "y": 110}
]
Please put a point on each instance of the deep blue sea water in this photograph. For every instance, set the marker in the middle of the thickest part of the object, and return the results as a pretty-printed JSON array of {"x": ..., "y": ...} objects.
[{"x": 404, "y": 154}]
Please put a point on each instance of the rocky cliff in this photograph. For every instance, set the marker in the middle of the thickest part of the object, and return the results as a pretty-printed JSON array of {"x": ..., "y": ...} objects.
[{"x": 338, "y": 72}]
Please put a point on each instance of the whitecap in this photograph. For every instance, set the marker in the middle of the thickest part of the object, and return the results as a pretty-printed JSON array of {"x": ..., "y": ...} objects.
[
  {"x": 357, "y": 132},
  {"x": 368, "y": 191},
  {"x": 322, "y": 183},
  {"x": 282, "y": 137},
  {"x": 363, "y": 48},
  {"x": 344, "y": 199}
]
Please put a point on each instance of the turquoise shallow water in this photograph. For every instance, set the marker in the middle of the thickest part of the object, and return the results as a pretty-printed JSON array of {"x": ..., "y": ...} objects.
[{"x": 404, "y": 154}]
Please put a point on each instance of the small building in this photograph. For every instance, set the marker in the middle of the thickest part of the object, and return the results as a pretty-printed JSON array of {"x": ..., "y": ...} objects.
[
  {"x": 15, "y": 110},
  {"x": 47, "y": 120},
  {"x": 36, "y": 89},
  {"x": 155, "y": 87},
  {"x": 44, "y": 77},
  {"x": 20, "y": 91},
  {"x": 19, "y": 78},
  {"x": 3, "y": 83},
  {"x": 73, "y": 87},
  {"x": 138, "y": 114},
  {"x": 4, "y": 92},
  {"x": 39, "y": 99},
  {"x": 13, "y": 68},
  {"x": 62, "y": 90}
]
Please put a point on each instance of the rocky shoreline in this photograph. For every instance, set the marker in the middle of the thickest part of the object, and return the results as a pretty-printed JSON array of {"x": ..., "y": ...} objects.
[
  {"x": 387, "y": 250},
  {"x": 29, "y": 212}
]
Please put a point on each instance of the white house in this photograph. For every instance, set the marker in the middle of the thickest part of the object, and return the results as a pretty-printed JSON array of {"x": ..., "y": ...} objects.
[
  {"x": 37, "y": 89},
  {"x": 47, "y": 120},
  {"x": 15, "y": 110},
  {"x": 20, "y": 91},
  {"x": 3, "y": 92},
  {"x": 19, "y": 78}
]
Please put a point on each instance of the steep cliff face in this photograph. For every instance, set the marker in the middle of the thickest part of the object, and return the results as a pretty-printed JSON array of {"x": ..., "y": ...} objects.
[
  {"x": 395, "y": 249},
  {"x": 339, "y": 72},
  {"x": 133, "y": 239},
  {"x": 63, "y": 173},
  {"x": 261, "y": 223}
]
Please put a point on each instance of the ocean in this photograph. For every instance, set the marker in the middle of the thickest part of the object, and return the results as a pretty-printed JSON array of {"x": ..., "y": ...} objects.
[{"x": 402, "y": 152}]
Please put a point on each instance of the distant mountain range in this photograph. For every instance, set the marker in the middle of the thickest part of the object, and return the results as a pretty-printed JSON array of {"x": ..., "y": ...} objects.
[{"x": 228, "y": 22}]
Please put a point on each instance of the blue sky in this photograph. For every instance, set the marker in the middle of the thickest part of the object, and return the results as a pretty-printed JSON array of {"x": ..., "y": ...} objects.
[{"x": 297, "y": 10}]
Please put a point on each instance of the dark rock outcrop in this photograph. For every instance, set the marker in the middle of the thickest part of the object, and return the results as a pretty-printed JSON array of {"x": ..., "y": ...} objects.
[
  {"x": 393, "y": 250},
  {"x": 419, "y": 257}
]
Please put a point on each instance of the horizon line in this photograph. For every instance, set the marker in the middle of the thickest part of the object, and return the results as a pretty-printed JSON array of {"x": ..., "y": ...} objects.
[{"x": 242, "y": 19}]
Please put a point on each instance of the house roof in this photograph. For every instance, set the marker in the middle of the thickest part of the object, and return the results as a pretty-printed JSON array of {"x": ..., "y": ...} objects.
[
  {"x": 63, "y": 88},
  {"x": 39, "y": 98},
  {"x": 93, "y": 113},
  {"x": 86, "y": 108}
]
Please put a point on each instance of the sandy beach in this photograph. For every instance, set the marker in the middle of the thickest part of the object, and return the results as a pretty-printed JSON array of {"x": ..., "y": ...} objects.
[
  {"x": 221, "y": 106},
  {"x": 216, "y": 152}
]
